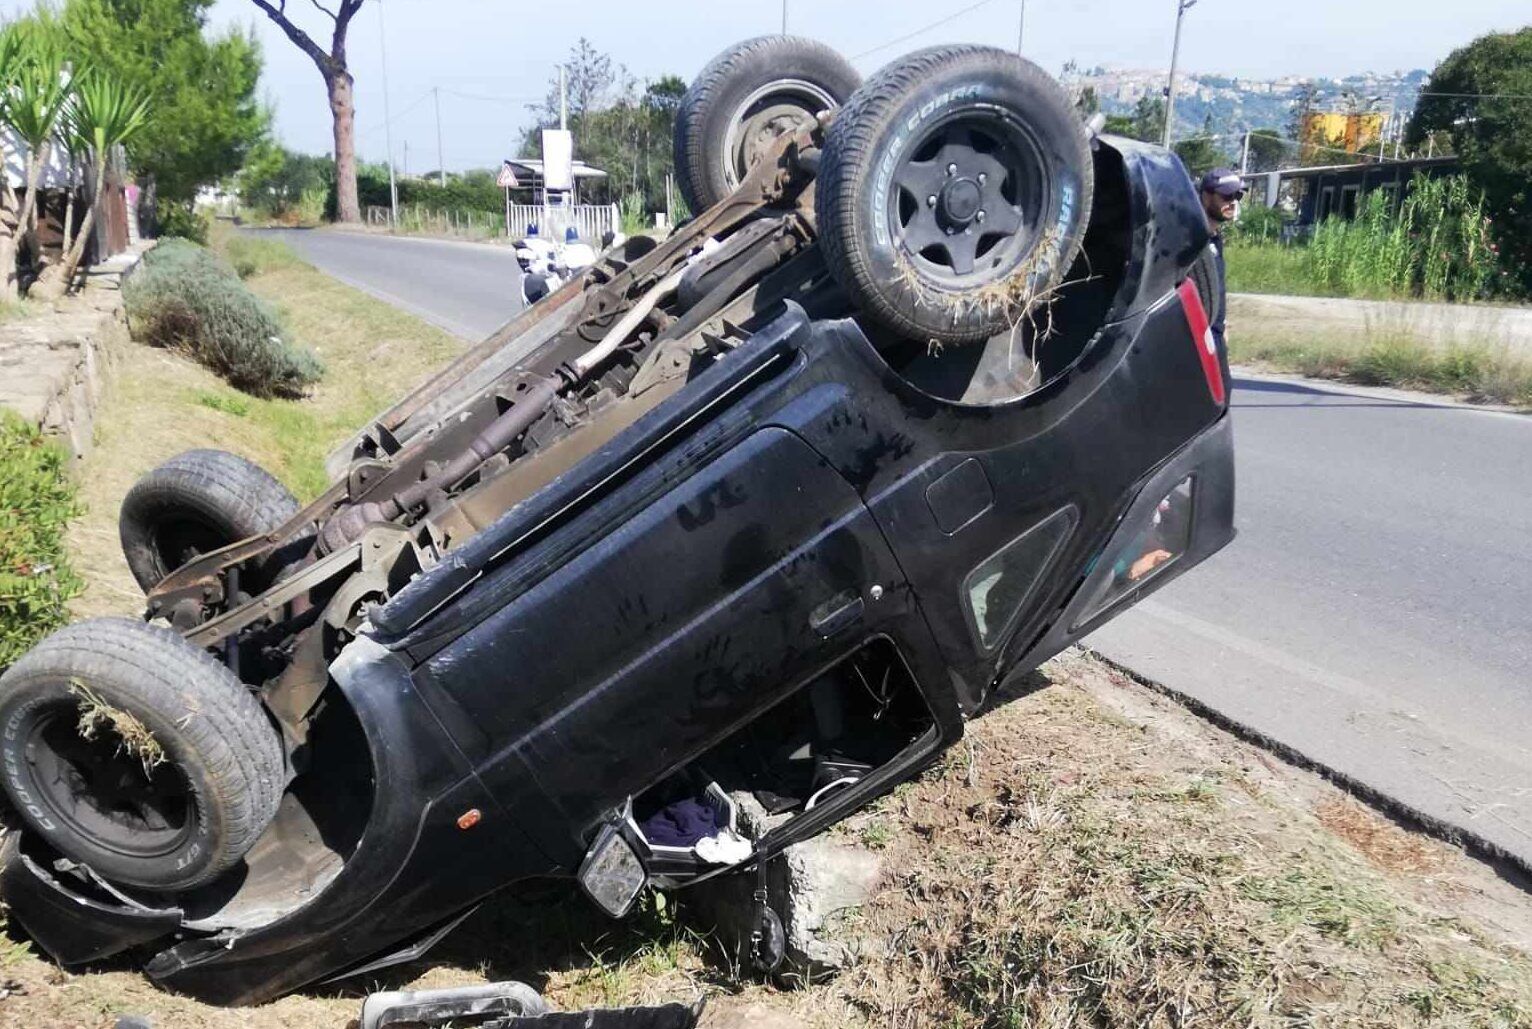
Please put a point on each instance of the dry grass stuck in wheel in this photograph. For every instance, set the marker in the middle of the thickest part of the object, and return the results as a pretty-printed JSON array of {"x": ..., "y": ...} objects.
[
  {"x": 133, "y": 735},
  {"x": 1091, "y": 855}
]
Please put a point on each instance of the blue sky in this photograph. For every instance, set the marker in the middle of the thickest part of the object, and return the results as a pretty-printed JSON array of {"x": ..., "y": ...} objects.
[{"x": 490, "y": 57}]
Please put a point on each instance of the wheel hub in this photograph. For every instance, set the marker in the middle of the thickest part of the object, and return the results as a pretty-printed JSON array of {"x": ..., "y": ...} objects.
[{"x": 959, "y": 201}]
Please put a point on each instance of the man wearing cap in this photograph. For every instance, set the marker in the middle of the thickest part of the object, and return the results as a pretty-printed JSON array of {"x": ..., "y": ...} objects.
[{"x": 1222, "y": 190}]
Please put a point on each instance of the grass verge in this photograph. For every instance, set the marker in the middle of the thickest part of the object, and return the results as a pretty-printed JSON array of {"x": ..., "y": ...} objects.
[
  {"x": 1270, "y": 268},
  {"x": 1483, "y": 373}
]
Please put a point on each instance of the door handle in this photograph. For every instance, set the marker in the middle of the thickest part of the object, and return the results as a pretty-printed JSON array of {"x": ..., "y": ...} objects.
[{"x": 837, "y": 613}]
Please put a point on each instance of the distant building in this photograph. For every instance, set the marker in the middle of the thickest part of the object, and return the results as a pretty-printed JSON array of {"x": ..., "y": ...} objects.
[{"x": 1339, "y": 190}]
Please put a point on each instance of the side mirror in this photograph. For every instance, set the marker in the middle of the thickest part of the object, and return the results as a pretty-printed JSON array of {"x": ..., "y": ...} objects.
[{"x": 612, "y": 873}]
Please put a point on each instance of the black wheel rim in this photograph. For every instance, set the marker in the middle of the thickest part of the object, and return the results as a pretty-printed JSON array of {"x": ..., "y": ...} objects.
[
  {"x": 102, "y": 793},
  {"x": 184, "y": 538},
  {"x": 966, "y": 199}
]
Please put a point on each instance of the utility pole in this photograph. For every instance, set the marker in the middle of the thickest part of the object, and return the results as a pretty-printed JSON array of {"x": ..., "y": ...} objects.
[
  {"x": 784, "y": 17},
  {"x": 406, "y": 166},
  {"x": 1021, "y": 27},
  {"x": 441, "y": 163},
  {"x": 1388, "y": 124},
  {"x": 388, "y": 131},
  {"x": 563, "y": 100},
  {"x": 1182, "y": 6},
  {"x": 1244, "y": 159}
]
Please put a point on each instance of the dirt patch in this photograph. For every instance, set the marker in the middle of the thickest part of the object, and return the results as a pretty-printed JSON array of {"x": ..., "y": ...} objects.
[{"x": 1383, "y": 844}]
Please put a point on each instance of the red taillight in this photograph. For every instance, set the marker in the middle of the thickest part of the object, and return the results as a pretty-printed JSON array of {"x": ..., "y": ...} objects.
[{"x": 1202, "y": 339}]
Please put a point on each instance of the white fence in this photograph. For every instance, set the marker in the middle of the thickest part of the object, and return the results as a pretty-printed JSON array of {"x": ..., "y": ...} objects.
[{"x": 591, "y": 221}]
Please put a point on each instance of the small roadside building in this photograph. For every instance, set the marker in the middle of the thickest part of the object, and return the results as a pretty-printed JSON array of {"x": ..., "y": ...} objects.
[{"x": 1315, "y": 194}]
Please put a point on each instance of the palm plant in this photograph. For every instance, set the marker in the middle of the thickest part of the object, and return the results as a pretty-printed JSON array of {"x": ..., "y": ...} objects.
[
  {"x": 10, "y": 50},
  {"x": 107, "y": 112},
  {"x": 35, "y": 95}
]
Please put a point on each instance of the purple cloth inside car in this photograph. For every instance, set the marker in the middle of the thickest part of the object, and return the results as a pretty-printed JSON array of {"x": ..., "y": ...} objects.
[{"x": 681, "y": 824}]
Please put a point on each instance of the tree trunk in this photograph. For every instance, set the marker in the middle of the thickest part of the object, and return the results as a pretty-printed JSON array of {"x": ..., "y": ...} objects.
[
  {"x": 343, "y": 109},
  {"x": 27, "y": 227},
  {"x": 55, "y": 279},
  {"x": 10, "y": 282},
  {"x": 68, "y": 211}
]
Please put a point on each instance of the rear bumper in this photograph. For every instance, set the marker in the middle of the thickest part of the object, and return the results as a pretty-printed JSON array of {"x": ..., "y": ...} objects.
[{"x": 1208, "y": 460}]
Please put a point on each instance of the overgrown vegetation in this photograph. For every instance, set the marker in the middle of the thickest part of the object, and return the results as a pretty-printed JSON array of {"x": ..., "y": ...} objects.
[
  {"x": 36, "y": 502},
  {"x": 1482, "y": 372},
  {"x": 1477, "y": 103},
  {"x": 1435, "y": 245},
  {"x": 185, "y": 298}
]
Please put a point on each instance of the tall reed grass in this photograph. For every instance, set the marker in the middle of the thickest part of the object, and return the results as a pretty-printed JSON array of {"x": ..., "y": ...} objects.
[{"x": 1434, "y": 245}]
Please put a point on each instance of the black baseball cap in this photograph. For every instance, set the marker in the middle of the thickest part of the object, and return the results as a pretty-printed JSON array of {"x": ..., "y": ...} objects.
[{"x": 1225, "y": 182}]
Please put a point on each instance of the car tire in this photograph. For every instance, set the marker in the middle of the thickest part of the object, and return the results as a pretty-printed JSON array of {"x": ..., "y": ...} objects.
[
  {"x": 180, "y": 772},
  {"x": 195, "y": 503},
  {"x": 746, "y": 97},
  {"x": 954, "y": 193}
]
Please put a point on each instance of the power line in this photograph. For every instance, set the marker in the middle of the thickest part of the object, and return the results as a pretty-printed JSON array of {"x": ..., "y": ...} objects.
[
  {"x": 1482, "y": 96},
  {"x": 494, "y": 99},
  {"x": 922, "y": 31},
  {"x": 393, "y": 119}
]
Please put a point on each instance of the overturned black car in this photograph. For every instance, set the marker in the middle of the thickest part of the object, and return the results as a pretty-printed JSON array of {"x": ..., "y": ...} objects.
[{"x": 924, "y": 393}]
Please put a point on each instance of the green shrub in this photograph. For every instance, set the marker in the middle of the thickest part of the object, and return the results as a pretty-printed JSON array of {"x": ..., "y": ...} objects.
[
  {"x": 36, "y": 502},
  {"x": 1257, "y": 223},
  {"x": 185, "y": 298},
  {"x": 183, "y": 221}
]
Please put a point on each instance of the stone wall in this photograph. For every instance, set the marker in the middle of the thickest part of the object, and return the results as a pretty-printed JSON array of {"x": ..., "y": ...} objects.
[{"x": 56, "y": 362}]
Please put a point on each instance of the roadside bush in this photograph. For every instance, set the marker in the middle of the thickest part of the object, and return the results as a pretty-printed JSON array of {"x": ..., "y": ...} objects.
[
  {"x": 184, "y": 298},
  {"x": 184, "y": 221},
  {"x": 1258, "y": 224},
  {"x": 36, "y": 502}
]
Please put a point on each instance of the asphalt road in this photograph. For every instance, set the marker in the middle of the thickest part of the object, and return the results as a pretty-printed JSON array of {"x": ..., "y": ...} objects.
[
  {"x": 469, "y": 289},
  {"x": 1375, "y": 612}
]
